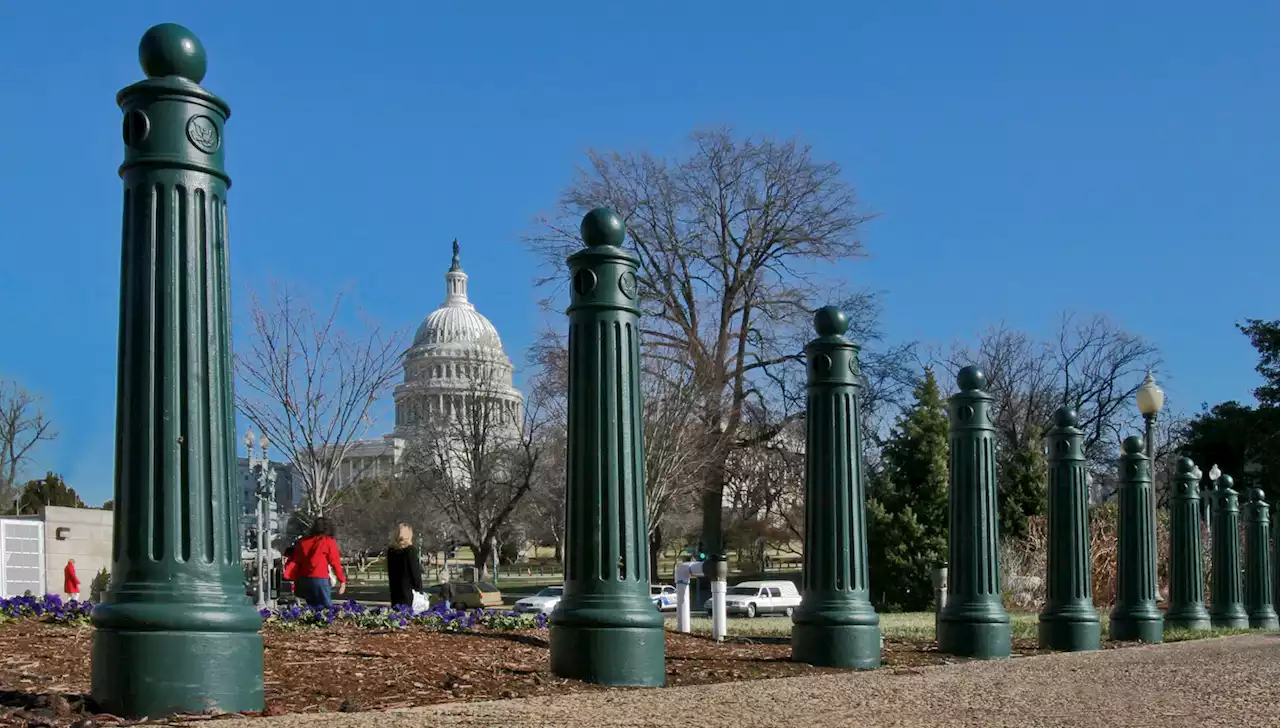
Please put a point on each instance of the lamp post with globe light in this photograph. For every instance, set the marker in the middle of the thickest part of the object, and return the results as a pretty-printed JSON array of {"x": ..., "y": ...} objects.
[
  {"x": 1150, "y": 402},
  {"x": 265, "y": 478},
  {"x": 1206, "y": 501}
]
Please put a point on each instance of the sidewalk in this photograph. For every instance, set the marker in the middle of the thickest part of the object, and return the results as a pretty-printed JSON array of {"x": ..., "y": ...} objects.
[{"x": 1232, "y": 682}]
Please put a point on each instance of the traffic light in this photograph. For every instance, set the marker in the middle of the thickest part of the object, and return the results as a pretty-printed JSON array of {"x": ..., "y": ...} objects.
[{"x": 701, "y": 554}]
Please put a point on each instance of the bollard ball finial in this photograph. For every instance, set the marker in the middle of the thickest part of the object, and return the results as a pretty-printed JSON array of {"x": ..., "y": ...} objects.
[
  {"x": 970, "y": 378},
  {"x": 1065, "y": 417},
  {"x": 830, "y": 321},
  {"x": 1186, "y": 466},
  {"x": 1132, "y": 445},
  {"x": 168, "y": 49},
  {"x": 1256, "y": 495},
  {"x": 1225, "y": 482},
  {"x": 602, "y": 226}
]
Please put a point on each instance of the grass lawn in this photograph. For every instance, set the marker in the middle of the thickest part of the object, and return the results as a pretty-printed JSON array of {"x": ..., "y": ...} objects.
[{"x": 918, "y": 626}]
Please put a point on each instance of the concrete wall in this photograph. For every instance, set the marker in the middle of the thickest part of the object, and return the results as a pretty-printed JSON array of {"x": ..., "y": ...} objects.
[{"x": 87, "y": 539}]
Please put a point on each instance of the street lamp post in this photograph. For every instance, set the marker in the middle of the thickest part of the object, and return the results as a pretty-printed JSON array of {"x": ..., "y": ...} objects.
[
  {"x": 1206, "y": 501},
  {"x": 1150, "y": 402},
  {"x": 264, "y": 477}
]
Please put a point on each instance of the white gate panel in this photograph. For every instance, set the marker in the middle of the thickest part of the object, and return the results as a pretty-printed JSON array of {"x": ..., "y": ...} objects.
[{"x": 21, "y": 558}]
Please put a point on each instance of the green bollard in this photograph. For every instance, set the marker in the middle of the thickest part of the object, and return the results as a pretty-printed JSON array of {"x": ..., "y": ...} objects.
[
  {"x": 605, "y": 629},
  {"x": 176, "y": 633},
  {"x": 1258, "y": 603},
  {"x": 835, "y": 626},
  {"x": 974, "y": 623},
  {"x": 1226, "y": 610},
  {"x": 1068, "y": 621},
  {"x": 1186, "y": 554},
  {"x": 1135, "y": 615}
]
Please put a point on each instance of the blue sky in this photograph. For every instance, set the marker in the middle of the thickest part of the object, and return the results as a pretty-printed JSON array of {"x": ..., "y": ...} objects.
[{"x": 1024, "y": 159}]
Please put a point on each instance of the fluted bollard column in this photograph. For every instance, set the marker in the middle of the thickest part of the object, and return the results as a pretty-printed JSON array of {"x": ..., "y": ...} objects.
[
  {"x": 1226, "y": 608},
  {"x": 1186, "y": 553},
  {"x": 974, "y": 623},
  {"x": 1135, "y": 615},
  {"x": 835, "y": 626},
  {"x": 605, "y": 629},
  {"x": 176, "y": 632},
  {"x": 1069, "y": 620},
  {"x": 1258, "y": 602}
]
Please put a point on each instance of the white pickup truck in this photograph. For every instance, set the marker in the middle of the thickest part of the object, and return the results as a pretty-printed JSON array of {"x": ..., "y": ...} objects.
[{"x": 760, "y": 597}]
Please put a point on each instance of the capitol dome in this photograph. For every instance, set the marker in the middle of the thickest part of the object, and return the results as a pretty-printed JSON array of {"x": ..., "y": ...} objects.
[{"x": 456, "y": 355}]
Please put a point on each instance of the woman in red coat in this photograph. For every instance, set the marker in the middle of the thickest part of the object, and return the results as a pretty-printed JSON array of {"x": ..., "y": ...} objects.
[
  {"x": 312, "y": 559},
  {"x": 71, "y": 582}
]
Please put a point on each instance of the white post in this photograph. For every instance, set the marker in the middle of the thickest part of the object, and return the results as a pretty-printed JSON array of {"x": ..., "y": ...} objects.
[
  {"x": 684, "y": 571},
  {"x": 719, "y": 621}
]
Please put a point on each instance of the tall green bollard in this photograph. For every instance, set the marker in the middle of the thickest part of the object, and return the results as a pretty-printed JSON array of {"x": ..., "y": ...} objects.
[
  {"x": 176, "y": 633},
  {"x": 1226, "y": 609},
  {"x": 974, "y": 623},
  {"x": 1186, "y": 553},
  {"x": 1135, "y": 615},
  {"x": 1068, "y": 620},
  {"x": 835, "y": 625},
  {"x": 605, "y": 629},
  {"x": 1258, "y": 602}
]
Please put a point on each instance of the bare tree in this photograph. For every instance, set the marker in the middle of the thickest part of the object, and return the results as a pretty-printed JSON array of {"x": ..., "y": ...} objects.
[
  {"x": 309, "y": 385},
  {"x": 732, "y": 240},
  {"x": 673, "y": 460},
  {"x": 1089, "y": 364},
  {"x": 478, "y": 461},
  {"x": 23, "y": 426}
]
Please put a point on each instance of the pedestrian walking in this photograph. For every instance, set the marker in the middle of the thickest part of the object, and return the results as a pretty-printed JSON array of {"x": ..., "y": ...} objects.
[
  {"x": 313, "y": 557},
  {"x": 446, "y": 593},
  {"x": 71, "y": 582},
  {"x": 404, "y": 567}
]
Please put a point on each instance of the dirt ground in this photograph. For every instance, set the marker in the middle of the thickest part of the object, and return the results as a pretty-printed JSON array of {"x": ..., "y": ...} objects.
[{"x": 44, "y": 669}]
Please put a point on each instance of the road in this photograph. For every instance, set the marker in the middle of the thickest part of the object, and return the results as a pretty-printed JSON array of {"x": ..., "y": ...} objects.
[{"x": 1232, "y": 682}]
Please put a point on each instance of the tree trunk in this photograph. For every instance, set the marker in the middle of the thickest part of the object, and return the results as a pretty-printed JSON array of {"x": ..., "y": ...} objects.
[
  {"x": 483, "y": 560},
  {"x": 655, "y": 550},
  {"x": 559, "y": 554}
]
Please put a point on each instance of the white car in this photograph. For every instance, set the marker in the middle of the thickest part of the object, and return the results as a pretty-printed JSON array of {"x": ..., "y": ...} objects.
[
  {"x": 663, "y": 596},
  {"x": 760, "y": 597},
  {"x": 542, "y": 602}
]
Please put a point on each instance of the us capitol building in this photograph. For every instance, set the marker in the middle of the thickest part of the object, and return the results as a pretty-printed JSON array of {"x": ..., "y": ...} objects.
[{"x": 456, "y": 355}]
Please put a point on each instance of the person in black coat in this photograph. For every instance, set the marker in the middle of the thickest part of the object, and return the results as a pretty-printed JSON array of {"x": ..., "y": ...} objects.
[{"x": 404, "y": 569}]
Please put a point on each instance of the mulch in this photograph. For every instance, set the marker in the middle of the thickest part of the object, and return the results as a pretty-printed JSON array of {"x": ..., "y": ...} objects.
[{"x": 44, "y": 669}]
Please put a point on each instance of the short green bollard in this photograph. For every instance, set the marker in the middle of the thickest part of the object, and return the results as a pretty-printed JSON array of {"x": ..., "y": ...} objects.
[
  {"x": 1135, "y": 615},
  {"x": 1258, "y": 603},
  {"x": 176, "y": 633},
  {"x": 605, "y": 629},
  {"x": 1226, "y": 608},
  {"x": 835, "y": 626},
  {"x": 1068, "y": 621},
  {"x": 1186, "y": 553},
  {"x": 974, "y": 622}
]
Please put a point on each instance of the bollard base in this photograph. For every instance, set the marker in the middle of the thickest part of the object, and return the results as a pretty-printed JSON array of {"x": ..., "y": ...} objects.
[
  {"x": 1137, "y": 629},
  {"x": 1230, "y": 620},
  {"x": 981, "y": 640},
  {"x": 621, "y": 656},
  {"x": 157, "y": 674},
  {"x": 1264, "y": 620},
  {"x": 1187, "y": 619},
  {"x": 854, "y": 646},
  {"x": 1070, "y": 633}
]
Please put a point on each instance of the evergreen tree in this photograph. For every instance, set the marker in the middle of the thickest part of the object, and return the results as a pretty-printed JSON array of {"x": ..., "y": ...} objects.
[
  {"x": 907, "y": 507},
  {"x": 48, "y": 491},
  {"x": 1023, "y": 484}
]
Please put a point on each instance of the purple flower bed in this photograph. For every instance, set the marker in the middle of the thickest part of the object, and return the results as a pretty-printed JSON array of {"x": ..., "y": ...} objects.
[
  {"x": 358, "y": 615},
  {"x": 48, "y": 608}
]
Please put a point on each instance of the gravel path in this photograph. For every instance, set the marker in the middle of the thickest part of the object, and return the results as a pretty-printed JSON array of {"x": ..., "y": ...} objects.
[{"x": 1231, "y": 682}]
